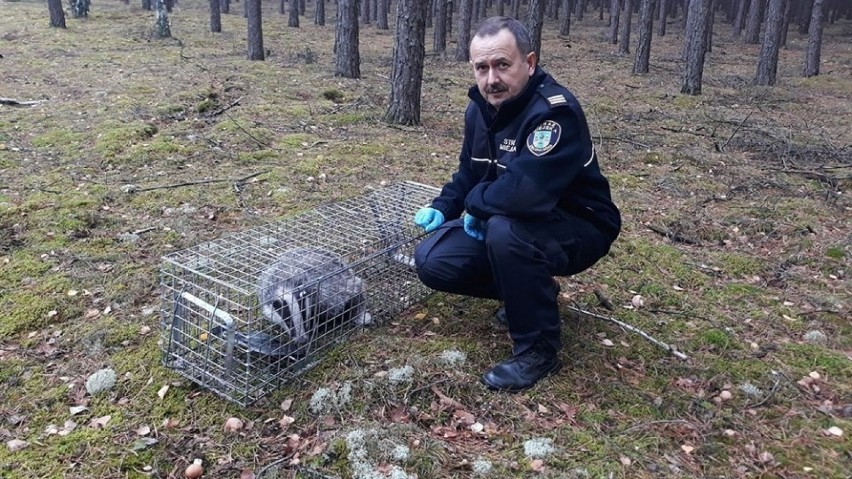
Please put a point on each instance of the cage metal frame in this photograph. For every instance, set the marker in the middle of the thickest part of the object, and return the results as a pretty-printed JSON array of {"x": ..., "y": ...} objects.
[{"x": 213, "y": 330}]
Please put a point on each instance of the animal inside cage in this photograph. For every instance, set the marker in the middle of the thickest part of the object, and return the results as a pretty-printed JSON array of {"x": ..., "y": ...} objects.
[{"x": 244, "y": 314}]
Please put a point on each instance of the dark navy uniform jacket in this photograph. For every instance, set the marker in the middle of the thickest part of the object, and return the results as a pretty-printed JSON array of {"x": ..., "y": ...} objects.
[{"x": 532, "y": 155}]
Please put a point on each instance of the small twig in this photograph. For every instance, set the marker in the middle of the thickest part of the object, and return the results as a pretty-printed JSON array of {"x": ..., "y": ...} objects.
[
  {"x": 13, "y": 102},
  {"x": 677, "y": 237},
  {"x": 768, "y": 396},
  {"x": 446, "y": 399},
  {"x": 625, "y": 140},
  {"x": 224, "y": 109},
  {"x": 200, "y": 182},
  {"x": 634, "y": 329},
  {"x": 736, "y": 130},
  {"x": 605, "y": 302},
  {"x": 248, "y": 133},
  {"x": 681, "y": 130},
  {"x": 144, "y": 230}
]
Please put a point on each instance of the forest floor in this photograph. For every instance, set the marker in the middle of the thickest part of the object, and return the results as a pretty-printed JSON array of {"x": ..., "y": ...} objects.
[{"x": 736, "y": 239}]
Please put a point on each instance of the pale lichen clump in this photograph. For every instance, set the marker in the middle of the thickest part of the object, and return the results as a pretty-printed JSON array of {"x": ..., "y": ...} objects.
[
  {"x": 815, "y": 336},
  {"x": 366, "y": 449},
  {"x": 453, "y": 357},
  {"x": 325, "y": 400},
  {"x": 100, "y": 381},
  {"x": 481, "y": 467},
  {"x": 401, "y": 375},
  {"x": 751, "y": 390},
  {"x": 538, "y": 448}
]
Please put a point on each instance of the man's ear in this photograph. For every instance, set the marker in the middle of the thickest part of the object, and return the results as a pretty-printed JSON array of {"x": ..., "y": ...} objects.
[{"x": 532, "y": 60}]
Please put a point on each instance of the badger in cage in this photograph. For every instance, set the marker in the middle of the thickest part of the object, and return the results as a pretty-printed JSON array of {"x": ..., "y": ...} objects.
[{"x": 309, "y": 292}]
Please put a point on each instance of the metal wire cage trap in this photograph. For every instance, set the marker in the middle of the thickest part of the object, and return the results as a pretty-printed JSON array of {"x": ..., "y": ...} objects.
[{"x": 244, "y": 314}]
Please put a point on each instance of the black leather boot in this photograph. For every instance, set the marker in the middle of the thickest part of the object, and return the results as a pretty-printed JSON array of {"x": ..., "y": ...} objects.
[{"x": 523, "y": 370}]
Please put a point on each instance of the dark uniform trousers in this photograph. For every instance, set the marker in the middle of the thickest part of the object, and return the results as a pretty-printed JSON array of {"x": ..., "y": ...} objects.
[{"x": 516, "y": 264}]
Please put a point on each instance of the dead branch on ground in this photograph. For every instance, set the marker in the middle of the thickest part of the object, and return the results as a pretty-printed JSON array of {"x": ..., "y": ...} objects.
[
  {"x": 19, "y": 103},
  {"x": 672, "y": 235},
  {"x": 237, "y": 183},
  {"x": 633, "y": 329}
]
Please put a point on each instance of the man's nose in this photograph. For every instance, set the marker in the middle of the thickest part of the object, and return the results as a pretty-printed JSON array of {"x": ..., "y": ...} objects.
[{"x": 493, "y": 77}]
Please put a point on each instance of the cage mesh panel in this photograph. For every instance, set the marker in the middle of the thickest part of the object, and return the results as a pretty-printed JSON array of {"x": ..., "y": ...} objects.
[{"x": 215, "y": 332}]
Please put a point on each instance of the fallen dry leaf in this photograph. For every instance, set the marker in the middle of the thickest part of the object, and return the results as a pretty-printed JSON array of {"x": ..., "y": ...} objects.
[
  {"x": 247, "y": 474},
  {"x": 687, "y": 448},
  {"x": 77, "y": 409},
  {"x": 625, "y": 460},
  {"x": 537, "y": 465},
  {"x": 163, "y": 390},
  {"x": 100, "y": 422},
  {"x": 233, "y": 424},
  {"x": 286, "y": 404},
  {"x": 835, "y": 431},
  {"x": 143, "y": 430},
  {"x": 15, "y": 445}
]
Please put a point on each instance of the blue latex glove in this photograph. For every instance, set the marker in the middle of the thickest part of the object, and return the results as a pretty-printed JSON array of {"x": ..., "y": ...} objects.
[
  {"x": 429, "y": 219},
  {"x": 474, "y": 227}
]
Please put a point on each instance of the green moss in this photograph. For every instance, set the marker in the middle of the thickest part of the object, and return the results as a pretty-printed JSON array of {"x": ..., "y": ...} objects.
[
  {"x": 739, "y": 265},
  {"x": 810, "y": 357},
  {"x": 63, "y": 140},
  {"x": 114, "y": 138},
  {"x": 716, "y": 338},
  {"x": 835, "y": 252}
]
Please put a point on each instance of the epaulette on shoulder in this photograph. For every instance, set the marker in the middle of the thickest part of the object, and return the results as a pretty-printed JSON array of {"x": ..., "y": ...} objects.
[{"x": 554, "y": 95}]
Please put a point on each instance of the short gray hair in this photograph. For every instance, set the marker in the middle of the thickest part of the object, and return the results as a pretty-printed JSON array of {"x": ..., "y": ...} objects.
[{"x": 494, "y": 25}]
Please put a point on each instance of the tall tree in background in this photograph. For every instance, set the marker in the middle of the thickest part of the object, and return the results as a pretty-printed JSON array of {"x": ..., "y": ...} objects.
[
  {"x": 535, "y": 22},
  {"x": 646, "y": 29},
  {"x": 254, "y": 39},
  {"x": 695, "y": 50},
  {"x": 146, "y": 5},
  {"x": 463, "y": 42},
  {"x": 439, "y": 43},
  {"x": 365, "y": 12},
  {"x": 225, "y": 6},
  {"x": 57, "y": 14},
  {"x": 767, "y": 63},
  {"x": 814, "y": 40},
  {"x": 319, "y": 13},
  {"x": 752, "y": 34},
  {"x": 661, "y": 25},
  {"x": 614, "y": 14},
  {"x": 565, "y": 24},
  {"x": 215, "y": 17},
  {"x": 80, "y": 8},
  {"x": 347, "y": 59},
  {"x": 293, "y": 19},
  {"x": 626, "y": 22},
  {"x": 161, "y": 24},
  {"x": 516, "y": 8},
  {"x": 409, "y": 52},
  {"x": 739, "y": 19},
  {"x": 382, "y": 14}
]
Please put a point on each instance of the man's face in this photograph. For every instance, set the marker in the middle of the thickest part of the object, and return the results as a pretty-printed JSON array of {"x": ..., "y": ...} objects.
[{"x": 500, "y": 70}]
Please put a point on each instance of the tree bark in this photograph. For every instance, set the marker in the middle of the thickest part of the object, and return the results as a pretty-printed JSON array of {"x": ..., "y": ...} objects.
[
  {"x": 695, "y": 49},
  {"x": 215, "y": 17},
  {"x": 439, "y": 43},
  {"x": 516, "y": 8},
  {"x": 161, "y": 22},
  {"x": 319, "y": 13},
  {"x": 347, "y": 56},
  {"x": 785, "y": 22},
  {"x": 814, "y": 40},
  {"x": 565, "y": 24},
  {"x": 408, "y": 57},
  {"x": 767, "y": 63},
  {"x": 365, "y": 12},
  {"x": 535, "y": 22},
  {"x": 661, "y": 26},
  {"x": 225, "y": 6},
  {"x": 293, "y": 19},
  {"x": 57, "y": 14},
  {"x": 806, "y": 9},
  {"x": 646, "y": 29},
  {"x": 614, "y": 15},
  {"x": 501, "y": 8},
  {"x": 382, "y": 14},
  {"x": 463, "y": 42},
  {"x": 753, "y": 21},
  {"x": 624, "y": 42},
  {"x": 254, "y": 38},
  {"x": 739, "y": 20}
]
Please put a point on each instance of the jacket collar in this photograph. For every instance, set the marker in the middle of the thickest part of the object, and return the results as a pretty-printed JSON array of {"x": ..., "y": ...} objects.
[{"x": 511, "y": 108}]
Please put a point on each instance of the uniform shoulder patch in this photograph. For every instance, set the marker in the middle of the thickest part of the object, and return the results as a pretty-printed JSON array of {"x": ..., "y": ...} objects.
[{"x": 544, "y": 138}]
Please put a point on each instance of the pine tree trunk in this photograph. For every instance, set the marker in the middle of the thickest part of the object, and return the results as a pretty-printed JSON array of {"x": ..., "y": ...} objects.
[
  {"x": 365, "y": 12},
  {"x": 614, "y": 15},
  {"x": 695, "y": 50},
  {"x": 225, "y": 6},
  {"x": 739, "y": 20},
  {"x": 483, "y": 9},
  {"x": 516, "y": 8},
  {"x": 408, "y": 57},
  {"x": 565, "y": 24},
  {"x": 661, "y": 26},
  {"x": 581, "y": 9},
  {"x": 814, "y": 40},
  {"x": 374, "y": 10},
  {"x": 646, "y": 29},
  {"x": 767, "y": 63},
  {"x": 624, "y": 43},
  {"x": 254, "y": 38},
  {"x": 711, "y": 16},
  {"x": 161, "y": 23},
  {"x": 215, "y": 17},
  {"x": 439, "y": 43},
  {"x": 293, "y": 19},
  {"x": 382, "y": 15},
  {"x": 449, "y": 21},
  {"x": 463, "y": 42},
  {"x": 785, "y": 22},
  {"x": 347, "y": 62},
  {"x": 319, "y": 13},
  {"x": 501, "y": 8},
  {"x": 806, "y": 9},
  {"x": 753, "y": 21},
  {"x": 57, "y": 14},
  {"x": 535, "y": 22},
  {"x": 146, "y": 5}
]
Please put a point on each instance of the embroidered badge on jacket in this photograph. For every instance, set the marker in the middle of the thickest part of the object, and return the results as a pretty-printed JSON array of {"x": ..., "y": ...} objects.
[{"x": 544, "y": 138}]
